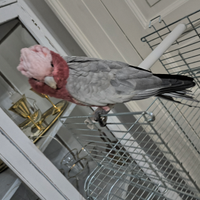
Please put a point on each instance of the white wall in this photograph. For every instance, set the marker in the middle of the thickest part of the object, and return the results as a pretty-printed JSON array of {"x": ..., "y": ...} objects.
[{"x": 55, "y": 27}]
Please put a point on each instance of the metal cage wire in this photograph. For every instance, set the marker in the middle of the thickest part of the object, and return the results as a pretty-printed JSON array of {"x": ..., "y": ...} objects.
[{"x": 142, "y": 157}]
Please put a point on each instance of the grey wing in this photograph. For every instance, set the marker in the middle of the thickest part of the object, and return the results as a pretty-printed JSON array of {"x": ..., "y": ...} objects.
[{"x": 101, "y": 82}]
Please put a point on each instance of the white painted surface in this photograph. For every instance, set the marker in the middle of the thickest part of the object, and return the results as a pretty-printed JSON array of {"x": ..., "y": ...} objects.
[
  {"x": 9, "y": 181},
  {"x": 55, "y": 27},
  {"x": 148, "y": 62},
  {"x": 5, "y": 2},
  {"x": 144, "y": 13},
  {"x": 38, "y": 30},
  {"x": 33, "y": 24},
  {"x": 95, "y": 30},
  {"x": 30, "y": 165},
  {"x": 7, "y": 13}
]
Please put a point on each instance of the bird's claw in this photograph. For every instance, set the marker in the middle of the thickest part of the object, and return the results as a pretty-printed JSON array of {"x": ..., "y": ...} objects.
[
  {"x": 98, "y": 118},
  {"x": 101, "y": 119}
]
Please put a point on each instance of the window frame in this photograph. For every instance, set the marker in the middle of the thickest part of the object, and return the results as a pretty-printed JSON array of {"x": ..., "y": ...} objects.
[{"x": 32, "y": 23}]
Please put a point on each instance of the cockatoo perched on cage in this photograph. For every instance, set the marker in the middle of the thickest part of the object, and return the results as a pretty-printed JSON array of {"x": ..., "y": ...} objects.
[{"x": 95, "y": 82}]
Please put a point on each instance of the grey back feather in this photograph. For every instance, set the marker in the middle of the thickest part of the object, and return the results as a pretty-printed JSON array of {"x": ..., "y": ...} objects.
[{"x": 102, "y": 82}]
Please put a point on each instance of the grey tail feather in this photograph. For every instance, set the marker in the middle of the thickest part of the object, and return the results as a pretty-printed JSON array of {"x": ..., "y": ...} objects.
[
  {"x": 178, "y": 89},
  {"x": 169, "y": 98}
]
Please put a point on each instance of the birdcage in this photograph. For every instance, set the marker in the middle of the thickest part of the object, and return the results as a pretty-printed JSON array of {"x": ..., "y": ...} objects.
[{"x": 153, "y": 154}]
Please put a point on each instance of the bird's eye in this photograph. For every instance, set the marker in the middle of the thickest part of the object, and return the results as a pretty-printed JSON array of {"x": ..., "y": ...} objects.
[
  {"x": 35, "y": 79},
  {"x": 52, "y": 64}
]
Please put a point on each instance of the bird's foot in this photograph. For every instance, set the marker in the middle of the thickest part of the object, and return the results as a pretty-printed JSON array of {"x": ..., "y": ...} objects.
[
  {"x": 99, "y": 118},
  {"x": 97, "y": 115}
]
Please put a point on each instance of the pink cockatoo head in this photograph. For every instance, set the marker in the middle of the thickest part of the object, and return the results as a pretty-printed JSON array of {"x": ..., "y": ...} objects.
[
  {"x": 35, "y": 62},
  {"x": 47, "y": 71}
]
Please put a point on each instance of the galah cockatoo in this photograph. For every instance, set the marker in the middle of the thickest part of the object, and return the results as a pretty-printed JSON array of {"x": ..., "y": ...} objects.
[{"x": 95, "y": 82}]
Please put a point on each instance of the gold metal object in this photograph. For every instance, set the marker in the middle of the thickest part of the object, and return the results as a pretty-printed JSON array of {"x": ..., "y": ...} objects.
[
  {"x": 47, "y": 119},
  {"x": 42, "y": 122},
  {"x": 56, "y": 108},
  {"x": 22, "y": 109},
  {"x": 51, "y": 117},
  {"x": 36, "y": 116}
]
